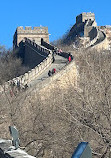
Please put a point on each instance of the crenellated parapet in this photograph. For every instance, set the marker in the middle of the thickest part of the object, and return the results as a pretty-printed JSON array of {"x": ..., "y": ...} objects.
[
  {"x": 84, "y": 17},
  {"x": 38, "y": 47},
  {"x": 33, "y": 33},
  {"x": 32, "y": 30}
]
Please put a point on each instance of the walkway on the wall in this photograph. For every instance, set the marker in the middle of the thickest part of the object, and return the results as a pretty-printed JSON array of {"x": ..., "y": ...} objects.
[
  {"x": 45, "y": 48},
  {"x": 97, "y": 40},
  {"x": 40, "y": 72},
  {"x": 101, "y": 38},
  {"x": 58, "y": 64}
]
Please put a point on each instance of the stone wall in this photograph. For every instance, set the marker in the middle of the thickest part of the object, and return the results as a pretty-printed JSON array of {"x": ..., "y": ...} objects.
[
  {"x": 84, "y": 24},
  {"x": 63, "y": 79},
  {"x": 66, "y": 77},
  {"x": 85, "y": 16},
  {"x": 99, "y": 46},
  {"x": 93, "y": 33},
  {"x": 94, "y": 40},
  {"x": 75, "y": 31},
  {"x": 32, "y": 74},
  {"x": 35, "y": 34},
  {"x": 88, "y": 16},
  {"x": 79, "y": 19},
  {"x": 107, "y": 30},
  {"x": 102, "y": 45},
  {"x": 32, "y": 53},
  {"x": 87, "y": 31},
  {"x": 47, "y": 45}
]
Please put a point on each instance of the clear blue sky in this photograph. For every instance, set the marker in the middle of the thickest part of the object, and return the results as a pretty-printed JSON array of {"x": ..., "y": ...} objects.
[{"x": 58, "y": 15}]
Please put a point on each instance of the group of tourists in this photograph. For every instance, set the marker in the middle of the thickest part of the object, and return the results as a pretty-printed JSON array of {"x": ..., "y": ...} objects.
[
  {"x": 60, "y": 52},
  {"x": 50, "y": 73},
  {"x": 57, "y": 51}
]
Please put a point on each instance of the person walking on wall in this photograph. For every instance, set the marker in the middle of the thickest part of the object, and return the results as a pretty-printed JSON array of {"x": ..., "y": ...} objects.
[
  {"x": 69, "y": 59},
  {"x": 53, "y": 58},
  {"x": 49, "y": 73},
  {"x": 18, "y": 85},
  {"x": 53, "y": 71}
]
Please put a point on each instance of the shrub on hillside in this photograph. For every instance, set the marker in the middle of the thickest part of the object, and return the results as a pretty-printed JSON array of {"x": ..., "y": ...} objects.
[{"x": 10, "y": 65}]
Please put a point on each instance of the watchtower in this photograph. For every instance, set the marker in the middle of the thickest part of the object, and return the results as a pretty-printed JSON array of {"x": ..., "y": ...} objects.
[
  {"x": 84, "y": 17},
  {"x": 35, "y": 34}
]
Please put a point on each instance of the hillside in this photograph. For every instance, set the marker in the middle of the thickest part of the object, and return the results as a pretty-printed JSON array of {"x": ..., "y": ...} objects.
[{"x": 53, "y": 120}]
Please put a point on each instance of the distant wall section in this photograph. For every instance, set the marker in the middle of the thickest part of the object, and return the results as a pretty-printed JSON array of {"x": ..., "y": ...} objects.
[
  {"x": 103, "y": 44},
  {"x": 91, "y": 32}
]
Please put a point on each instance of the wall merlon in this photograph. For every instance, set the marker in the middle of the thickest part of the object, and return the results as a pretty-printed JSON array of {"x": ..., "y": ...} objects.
[
  {"x": 28, "y": 28},
  {"x": 40, "y": 29},
  {"x": 20, "y": 28},
  {"x": 88, "y": 13}
]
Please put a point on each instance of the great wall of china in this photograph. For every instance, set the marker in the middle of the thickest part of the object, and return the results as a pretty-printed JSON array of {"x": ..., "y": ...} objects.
[
  {"x": 99, "y": 42},
  {"x": 34, "y": 73},
  {"x": 30, "y": 40},
  {"x": 86, "y": 26},
  {"x": 97, "y": 36}
]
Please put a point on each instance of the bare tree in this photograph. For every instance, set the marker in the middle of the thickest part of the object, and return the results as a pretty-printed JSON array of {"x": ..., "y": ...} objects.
[
  {"x": 92, "y": 104},
  {"x": 10, "y": 65}
]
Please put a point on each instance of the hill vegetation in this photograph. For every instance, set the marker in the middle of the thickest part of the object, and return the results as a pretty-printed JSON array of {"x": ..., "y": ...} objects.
[
  {"x": 52, "y": 123},
  {"x": 10, "y": 65}
]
